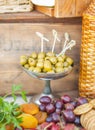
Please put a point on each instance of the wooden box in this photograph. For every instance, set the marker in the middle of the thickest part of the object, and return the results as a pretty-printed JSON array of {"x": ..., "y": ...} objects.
[{"x": 65, "y": 8}]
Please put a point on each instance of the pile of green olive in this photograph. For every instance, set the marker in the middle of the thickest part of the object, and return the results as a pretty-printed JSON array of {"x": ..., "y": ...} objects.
[{"x": 46, "y": 62}]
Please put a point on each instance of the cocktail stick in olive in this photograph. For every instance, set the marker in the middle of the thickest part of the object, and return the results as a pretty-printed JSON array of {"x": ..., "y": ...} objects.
[
  {"x": 63, "y": 56},
  {"x": 26, "y": 66},
  {"x": 37, "y": 70},
  {"x": 53, "y": 60},
  {"x": 32, "y": 62},
  {"x": 47, "y": 65},
  {"x": 69, "y": 60},
  {"x": 23, "y": 60},
  {"x": 59, "y": 69},
  {"x": 40, "y": 64},
  {"x": 50, "y": 54},
  {"x": 59, "y": 64},
  {"x": 41, "y": 55},
  {"x": 60, "y": 59},
  {"x": 33, "y": 55}
]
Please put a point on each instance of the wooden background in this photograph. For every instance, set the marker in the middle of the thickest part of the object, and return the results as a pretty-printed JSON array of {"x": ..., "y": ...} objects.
[
  {"x": 17, "y": 39},
  {"x": 70, "y": 8}
]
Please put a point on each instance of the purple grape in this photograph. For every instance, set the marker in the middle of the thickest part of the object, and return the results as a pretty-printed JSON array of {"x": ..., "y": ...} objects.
[
  {"x": 74, "y": 103},
  {"x": 58, "y": 111},
  {"x": 50, "y": 108},
  {"x": 49, "y": 118},
  {"x": 42, "y": 107},
  {"x": 69, "y": 106},
  {"x": 77, "y": 121},
  {"x": 69, "y": 116},
  {"x": 55, "y": 117},
  {"x": 81, "y": 100},
  {"x": 59, "y": 104},
  {"x": 45, "y": 100},
  {"x": 66, "y": 99}
]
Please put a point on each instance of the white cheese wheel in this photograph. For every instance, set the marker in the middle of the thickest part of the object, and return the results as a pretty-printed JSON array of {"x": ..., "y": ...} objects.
[{"x": 44, "y": 2}]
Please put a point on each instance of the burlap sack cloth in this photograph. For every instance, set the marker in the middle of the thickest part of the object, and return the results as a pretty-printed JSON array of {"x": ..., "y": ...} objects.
[{"x": 87, "y": 54}]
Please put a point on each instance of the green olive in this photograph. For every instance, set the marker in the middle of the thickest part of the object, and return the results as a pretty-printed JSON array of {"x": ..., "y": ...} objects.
[
  {"x": 60, "y": 59},
  {"x": 47, "y": 58},
  {"x": 65, "y": 64},
  {"x": 23, "y": 60},
  {"x": 31, "y": 68},
  {"x": 69, "y": 60},
  {"x": 59, "y": 64},
  {"x": 26, "y": 66},
  {"x": 53, "y": 60},
  {"x": 40, "y": 60},
  {"x": 59, "y": 69},
  {"x": 33, "y": 55},
  {"x": 41, "y": 55},
  {"x": 40, "y": 64},
  {"x": 51, "y": 72},
  {"x": 32, "y": 62},
  {"x": 50, "y": 54},
  {"x": 47, "y": 65},
  {"x": 66, "y": 68},
  {"x": 37, "y": 70}
]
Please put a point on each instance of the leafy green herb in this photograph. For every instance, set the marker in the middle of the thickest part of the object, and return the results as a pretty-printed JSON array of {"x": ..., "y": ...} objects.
[{"x": 9, "y": 111}]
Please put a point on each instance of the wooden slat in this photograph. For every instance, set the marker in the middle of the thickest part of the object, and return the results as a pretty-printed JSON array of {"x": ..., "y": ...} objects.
[
  {"x": 64, "y": 8},
  {"x": 33, "y": 17},
  {"x": 17, "y": 39},
  {"x": 81, "y": 6},
  {"x": 46, "y": 10},
  {"x": 70, "y": 8}
]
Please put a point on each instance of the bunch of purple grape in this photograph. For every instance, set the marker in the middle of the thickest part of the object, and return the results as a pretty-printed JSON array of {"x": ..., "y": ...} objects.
[{"x": 61, "y": 109}]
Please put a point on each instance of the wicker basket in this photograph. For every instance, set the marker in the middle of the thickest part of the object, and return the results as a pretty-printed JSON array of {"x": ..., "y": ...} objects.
[
  {"x": 7, "y": 6},
  {"x": 87, "y": 55}
]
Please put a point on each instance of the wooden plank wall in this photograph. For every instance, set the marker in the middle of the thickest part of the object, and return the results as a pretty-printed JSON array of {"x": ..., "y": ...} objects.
[
  {"x": 17, "y": 39},
  {"x": 70, "y": 8}
]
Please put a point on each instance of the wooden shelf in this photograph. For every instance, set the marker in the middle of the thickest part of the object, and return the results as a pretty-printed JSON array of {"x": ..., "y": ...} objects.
[{"x": 34, "y": 17}]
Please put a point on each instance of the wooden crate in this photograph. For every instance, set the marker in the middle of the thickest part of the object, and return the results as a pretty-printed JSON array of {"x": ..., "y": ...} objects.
[{"x": 65, "y": 8}]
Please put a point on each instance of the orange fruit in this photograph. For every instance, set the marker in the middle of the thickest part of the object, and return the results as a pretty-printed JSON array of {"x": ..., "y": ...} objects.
[
  {"x": 28, "y": 121},
  {"x": 30, "y": 108},
  {"x": 41, "y": 117}
]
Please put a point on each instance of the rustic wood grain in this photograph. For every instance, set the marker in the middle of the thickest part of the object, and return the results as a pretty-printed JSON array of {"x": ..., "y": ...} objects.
[
  {"x": 70, "y": 8},
  {"x": 64, "y": 8},
  {"x": 46, "y": 10},
  {"x": 81, "y": 6},
  {"x": 34, "y": 17},
  {"x": 17, "y": 39}
]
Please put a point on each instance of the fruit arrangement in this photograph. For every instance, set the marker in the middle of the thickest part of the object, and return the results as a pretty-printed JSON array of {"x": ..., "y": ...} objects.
[
  {"x": 49, "y": 62},
  {"x": 52, "y": 114}
]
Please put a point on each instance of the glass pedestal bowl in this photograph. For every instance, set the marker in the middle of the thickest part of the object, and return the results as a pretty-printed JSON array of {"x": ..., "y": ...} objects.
[{"x": 47, "y": 77}]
